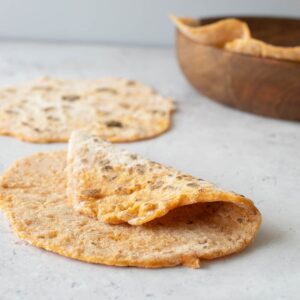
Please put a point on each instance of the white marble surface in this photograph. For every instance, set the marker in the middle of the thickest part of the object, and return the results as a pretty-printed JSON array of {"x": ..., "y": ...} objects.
[{"x": 252, "y": 155}]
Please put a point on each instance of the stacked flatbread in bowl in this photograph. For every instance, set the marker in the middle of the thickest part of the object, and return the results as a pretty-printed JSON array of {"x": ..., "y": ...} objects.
[
  {"x": 99, "y": 203},
  {"x": 233, "y": 35}
]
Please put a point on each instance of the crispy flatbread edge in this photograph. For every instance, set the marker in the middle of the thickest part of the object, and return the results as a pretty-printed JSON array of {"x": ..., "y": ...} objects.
[{"x": 191, "y": 262}]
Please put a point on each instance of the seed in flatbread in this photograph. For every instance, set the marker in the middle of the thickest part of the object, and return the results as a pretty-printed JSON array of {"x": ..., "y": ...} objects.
[
  {"x": 140, "y": 169},
  {"x": 130, "y": 82},
  {"x": 10, "y": 111},
  {"x": 133, "y": 156},
  {"x": 114, "y": 124},
  {"x": 70, "y": 97},
  {"x": 193, "y": 185},
  {"x": 156, "y": 185},
  {"x": 93, "y": 193},
  {"x": 49, "y": 109},
  {"x": 52, "y": 118},
  {"x": 107, "y": 168},
  {"x": 107, "y": 90}
]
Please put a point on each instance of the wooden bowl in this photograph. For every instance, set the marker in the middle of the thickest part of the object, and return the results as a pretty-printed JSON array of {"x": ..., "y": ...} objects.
[{"x": 262, "y": 86}]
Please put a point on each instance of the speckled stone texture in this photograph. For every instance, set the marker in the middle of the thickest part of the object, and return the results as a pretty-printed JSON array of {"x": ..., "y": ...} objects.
[{"x": 254, "y": 156}]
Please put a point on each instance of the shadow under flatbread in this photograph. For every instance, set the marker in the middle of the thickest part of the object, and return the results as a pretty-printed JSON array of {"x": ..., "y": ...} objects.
[{"x": 268, "y": 236}]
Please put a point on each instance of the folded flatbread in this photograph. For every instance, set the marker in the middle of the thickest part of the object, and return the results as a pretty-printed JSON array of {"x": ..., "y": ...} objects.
[
  {"x": 116, "y": 186},
  {"x": 33, "y": 196},
  {"x": 215, "y": 34},
  {"x": 261, "y": 49},
  {"x": 49, "y": 109}
]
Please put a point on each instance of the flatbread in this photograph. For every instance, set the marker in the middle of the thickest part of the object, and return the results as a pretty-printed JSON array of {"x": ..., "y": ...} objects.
[
  {"x": 48, "y": 110},
  {"x": 261, "y": 49},
  {"x": 117, "y": 186},
  {"x": 33, "y": 196},
  {"x": 216, "y": 34}
]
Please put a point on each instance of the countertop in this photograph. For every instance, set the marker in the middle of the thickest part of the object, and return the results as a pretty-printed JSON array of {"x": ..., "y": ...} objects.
[{"x": 252, "y": 155}]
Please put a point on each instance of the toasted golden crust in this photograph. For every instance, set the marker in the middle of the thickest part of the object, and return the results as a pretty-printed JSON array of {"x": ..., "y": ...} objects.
[
  {"x": 49, "y": 109},
  {"x": 261, "y": 49},
  {"x": 117, "y": 186},
  {"x": 33, "y": 195},
  {"x": 215, "y": 34}
]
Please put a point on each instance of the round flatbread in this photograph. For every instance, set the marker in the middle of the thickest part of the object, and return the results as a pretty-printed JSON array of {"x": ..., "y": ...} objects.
[
  {"x": 48, "y": 110},
  {"x": 33, "y": 195}
]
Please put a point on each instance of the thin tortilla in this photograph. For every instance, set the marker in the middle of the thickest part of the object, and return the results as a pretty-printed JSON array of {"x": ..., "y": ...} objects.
[
  {"x": 48, "y": 110},
  {"x": 33, "y": 196}
]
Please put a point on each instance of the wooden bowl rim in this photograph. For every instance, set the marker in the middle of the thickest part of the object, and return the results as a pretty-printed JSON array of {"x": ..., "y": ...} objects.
[
  {"x": 268, "y": 17},
  {"x": 254, "y": 58}
]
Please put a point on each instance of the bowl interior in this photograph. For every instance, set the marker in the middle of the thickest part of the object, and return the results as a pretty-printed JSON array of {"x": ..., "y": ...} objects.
[{"x": 273, "y": 30}]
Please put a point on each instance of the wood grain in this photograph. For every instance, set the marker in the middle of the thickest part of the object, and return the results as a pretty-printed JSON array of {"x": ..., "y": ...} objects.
[{"x": 263, "y": 86}]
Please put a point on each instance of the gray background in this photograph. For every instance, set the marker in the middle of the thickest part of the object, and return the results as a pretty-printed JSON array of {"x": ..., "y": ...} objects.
[{"x": 142, "y": 22}]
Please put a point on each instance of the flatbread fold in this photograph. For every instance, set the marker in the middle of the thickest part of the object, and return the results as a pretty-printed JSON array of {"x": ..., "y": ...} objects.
[
  {"x": 49, "y": 109},
  {"x": 215, "y": 34},
  {"x": 33, "y": 196},
  {"x": 117, "y": 186}
]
